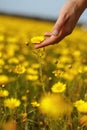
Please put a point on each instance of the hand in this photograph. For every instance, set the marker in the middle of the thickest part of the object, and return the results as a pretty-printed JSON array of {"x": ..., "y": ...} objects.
[{"x": 65, "y": 23}]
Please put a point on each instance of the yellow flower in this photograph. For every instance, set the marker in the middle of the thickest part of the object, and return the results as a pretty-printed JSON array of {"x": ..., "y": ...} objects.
[
  {"x": 81, "y": 106},
  {"x": 77, "y": 53},
  {"x": 13, "y": 60},
  {"x": 4, "y": 93},
  {"x": 1, "y": 37},
  {"x": 24, "y": 115},
  {"x": 20, "y": 69},
  {"x": 79, "y": 102},
  {"x": 32, "y": 71},
  {"x": 65, "y": 59},
  {"x": 32, "y": 77},
  {"x": 35, "y": 66},
  {"x": 2, "y": 62},
  {"x": 3, "y": 79},
  {"x": 68, "y": 76},
  {"x": 37, "y": 39},
  {"x": 24, "y": 98},
  {"x": 35, "y": 104},
  {"x": 0, "y": 54},
  {"x": 11, "y": 103},
  {"x": 55, "y": 105},
  {"x": 57, "y": 72},
  {"x": 58, "y": 87}
]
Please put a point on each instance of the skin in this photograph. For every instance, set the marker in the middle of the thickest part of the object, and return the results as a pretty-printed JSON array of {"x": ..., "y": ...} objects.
[{"x": 66, "y": 22}]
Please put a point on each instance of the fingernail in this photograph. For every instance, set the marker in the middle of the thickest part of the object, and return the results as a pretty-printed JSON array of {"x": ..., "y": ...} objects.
[{"x": 55, "y": 32}]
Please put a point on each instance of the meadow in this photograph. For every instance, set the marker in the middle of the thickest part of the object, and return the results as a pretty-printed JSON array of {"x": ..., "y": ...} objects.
[{"x": 41, "y": 89}]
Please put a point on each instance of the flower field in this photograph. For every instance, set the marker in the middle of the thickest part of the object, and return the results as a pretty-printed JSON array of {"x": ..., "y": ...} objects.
[{"x": 41, "y": 89}]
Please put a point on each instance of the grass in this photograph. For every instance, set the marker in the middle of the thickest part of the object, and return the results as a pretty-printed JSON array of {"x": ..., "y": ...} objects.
[{"x": 42, "y": 89}]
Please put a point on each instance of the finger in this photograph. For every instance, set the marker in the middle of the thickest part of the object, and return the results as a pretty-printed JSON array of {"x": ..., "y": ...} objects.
[{"x": 48, "y": 34}]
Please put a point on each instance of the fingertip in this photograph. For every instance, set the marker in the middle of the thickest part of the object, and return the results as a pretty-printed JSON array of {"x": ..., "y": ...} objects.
[{"x": 37, "y": 46}]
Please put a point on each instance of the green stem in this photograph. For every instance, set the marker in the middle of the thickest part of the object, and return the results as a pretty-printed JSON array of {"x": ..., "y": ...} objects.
[
  {"x": 41, "y": 73},
  {"x": 25, "y": 110}
]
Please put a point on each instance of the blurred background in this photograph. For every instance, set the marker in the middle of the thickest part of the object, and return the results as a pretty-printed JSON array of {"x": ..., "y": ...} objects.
[{"x": 44, "y": 9}]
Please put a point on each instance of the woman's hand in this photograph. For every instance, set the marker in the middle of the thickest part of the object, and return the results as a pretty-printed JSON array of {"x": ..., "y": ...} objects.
[{"x": 68, "y": 17}]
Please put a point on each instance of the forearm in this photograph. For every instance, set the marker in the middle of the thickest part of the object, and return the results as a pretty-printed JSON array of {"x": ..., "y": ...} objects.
[{"x": 81, "y": 5}]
